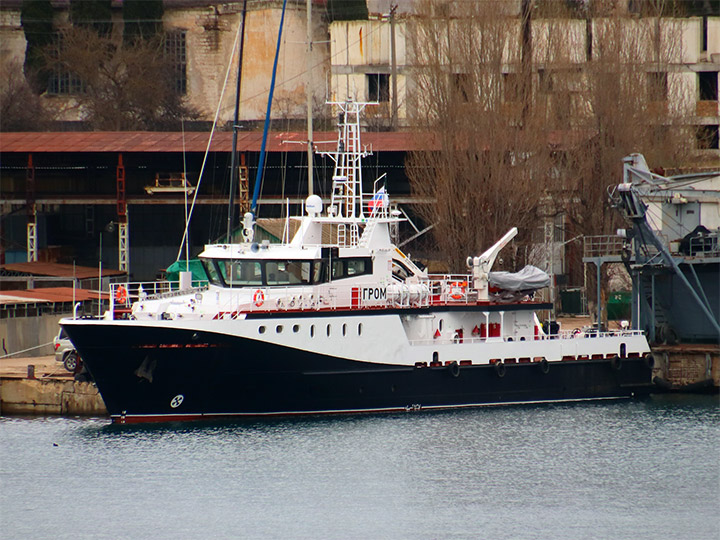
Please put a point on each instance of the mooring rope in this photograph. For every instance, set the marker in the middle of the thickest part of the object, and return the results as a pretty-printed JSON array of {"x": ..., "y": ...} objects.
[{"x": 26, "y": 350}]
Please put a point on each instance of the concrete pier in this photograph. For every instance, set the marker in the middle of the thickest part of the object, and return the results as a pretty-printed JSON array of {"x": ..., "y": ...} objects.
[{"x": 42, "y": 386}]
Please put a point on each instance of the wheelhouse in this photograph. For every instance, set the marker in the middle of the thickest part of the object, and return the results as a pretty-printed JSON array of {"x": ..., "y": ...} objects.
[{"x": 233, "y": 273}]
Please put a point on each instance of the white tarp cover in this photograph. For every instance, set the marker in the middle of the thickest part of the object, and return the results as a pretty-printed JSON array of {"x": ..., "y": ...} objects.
[{"x": 529, "y": 278}]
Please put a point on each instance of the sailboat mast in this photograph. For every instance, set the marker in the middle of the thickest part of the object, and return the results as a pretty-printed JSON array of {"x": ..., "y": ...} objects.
[
  {"x": 308, "y": 96},
  {"x": 236, "y": 126}
]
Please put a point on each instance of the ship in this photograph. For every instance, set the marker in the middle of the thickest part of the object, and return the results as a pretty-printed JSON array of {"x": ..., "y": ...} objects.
[{"x": 337, "y": 319}]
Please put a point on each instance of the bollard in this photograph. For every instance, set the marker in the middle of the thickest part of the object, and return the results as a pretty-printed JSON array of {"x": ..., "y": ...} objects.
[{"x": 31, "y": 371}]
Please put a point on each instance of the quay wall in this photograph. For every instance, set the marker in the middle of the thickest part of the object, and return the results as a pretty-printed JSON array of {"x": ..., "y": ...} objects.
[
  {"x": 49, "y": 397},
  {"x": 687, "y": 367},
  {"x": 26, "y": 333}
]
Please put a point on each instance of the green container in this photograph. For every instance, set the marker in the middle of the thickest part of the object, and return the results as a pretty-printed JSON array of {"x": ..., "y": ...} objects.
[
  {"x": 618, "y": 306},
  {"x": 571, "y": 301}
]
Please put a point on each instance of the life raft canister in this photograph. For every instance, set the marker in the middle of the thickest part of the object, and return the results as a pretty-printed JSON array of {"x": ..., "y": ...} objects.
[
  {"x": 121, "y": 294},
  {"x": 258, "y": 298}
]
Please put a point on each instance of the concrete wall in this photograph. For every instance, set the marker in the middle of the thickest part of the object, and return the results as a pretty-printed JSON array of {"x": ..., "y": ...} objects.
[
  {"x": 358, "y": 48},
  {"x": 210, "y": 35},
  {"x": 18, "y": 334},
  {"x": 50, "y": 396}
]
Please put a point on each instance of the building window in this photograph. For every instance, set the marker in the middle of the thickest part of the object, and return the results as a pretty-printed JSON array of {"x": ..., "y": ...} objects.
[
  {"x": 657, "y": 86},
  {"x": 511, "y": 87},
  {"x": 708, "y": 85},
  {"x": 63, "y": 82},
  {"x": 176, "y": 53},
  {"x": 378, "y": 85},
  {"x": 708, "y": 137},
  {"x": 462, "y": 87},
  {"x": 545, "y": 81}
]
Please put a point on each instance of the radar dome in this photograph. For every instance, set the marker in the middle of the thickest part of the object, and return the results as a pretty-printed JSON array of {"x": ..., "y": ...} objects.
[{"x": 313, "y": 205}]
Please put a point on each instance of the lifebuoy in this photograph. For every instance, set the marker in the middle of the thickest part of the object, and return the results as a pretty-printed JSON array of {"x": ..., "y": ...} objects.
[
  {"x": 121, "y": 294},
  {"x": 457, "y": 290},
  {"x": 258, "y": 298}
]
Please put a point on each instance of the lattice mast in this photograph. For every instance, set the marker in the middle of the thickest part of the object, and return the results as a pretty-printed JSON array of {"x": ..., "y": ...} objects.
[{"x": 347, "y": 194}]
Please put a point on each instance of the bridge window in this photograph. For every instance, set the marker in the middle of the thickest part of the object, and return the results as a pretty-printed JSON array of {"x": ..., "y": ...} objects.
[
  {"x": 344, "y": 268},
  {"x": 239, "y": 273}
]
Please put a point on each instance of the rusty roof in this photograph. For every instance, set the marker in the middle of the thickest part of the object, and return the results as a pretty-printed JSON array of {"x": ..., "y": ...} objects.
[
  {"x": 58, "y": 270},
  {"x": 50, "y": 294},
  {"x": 150, "y": 141}
]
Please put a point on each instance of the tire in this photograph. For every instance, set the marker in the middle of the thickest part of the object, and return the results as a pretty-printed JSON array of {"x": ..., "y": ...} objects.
[
  {"x": 616, "y": 363},
  {"x": 454, "y": 369},
  {"x": 544, "y": 365},
  {"x": 650, "y": 361},
  {"x": 71, "y": 361},
  {"x": 500, "y": 369}
]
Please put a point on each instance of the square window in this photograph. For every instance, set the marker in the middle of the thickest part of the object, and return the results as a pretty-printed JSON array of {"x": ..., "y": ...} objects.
[
  {"x": 708, "y": 137},
  {"x": 511, "y": 87},
  {"x": 378, "y": 85},
  {"x": 708, "y": 85},
  {"x": 462, "y": 86},
  {"x": 657, "y": 86}
]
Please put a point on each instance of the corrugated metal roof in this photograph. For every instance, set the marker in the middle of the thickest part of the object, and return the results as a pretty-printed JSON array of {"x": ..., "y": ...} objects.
[
  {"x": 50, "y": 294},
  {"x": 58, "y": 270},
  {"x": 134, "y": 141}
]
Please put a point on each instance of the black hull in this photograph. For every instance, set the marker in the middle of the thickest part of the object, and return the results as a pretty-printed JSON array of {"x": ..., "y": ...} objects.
[{"x": 156, "y": 374}]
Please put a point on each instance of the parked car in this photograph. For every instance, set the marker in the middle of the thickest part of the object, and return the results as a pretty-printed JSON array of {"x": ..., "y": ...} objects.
[{"x": 65, "y": 352}]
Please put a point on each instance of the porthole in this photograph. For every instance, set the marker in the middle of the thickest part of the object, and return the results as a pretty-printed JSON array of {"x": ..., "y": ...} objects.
[
  {"x": 359, "y": 329},
  {"x": 344, "y": 329},
  {"x": 296, "y": 328},
  {"x": 328, "y": 330},
  {"x": 261, "y": 330},
  {"x": 312, "y": 330},
  {"x": 279, "y": 328}
]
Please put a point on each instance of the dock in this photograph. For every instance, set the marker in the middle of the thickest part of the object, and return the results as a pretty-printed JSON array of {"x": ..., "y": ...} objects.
[{"x": 42, "y": 386}]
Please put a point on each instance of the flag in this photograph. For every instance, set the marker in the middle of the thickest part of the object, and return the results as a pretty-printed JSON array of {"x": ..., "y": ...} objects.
[{"x": 379, "y": 200}]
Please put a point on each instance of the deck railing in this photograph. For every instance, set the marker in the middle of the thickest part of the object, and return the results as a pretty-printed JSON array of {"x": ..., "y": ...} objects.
[{"x": 435, "y": 290}]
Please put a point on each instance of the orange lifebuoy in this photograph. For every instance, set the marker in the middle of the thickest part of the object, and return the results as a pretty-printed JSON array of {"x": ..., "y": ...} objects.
[
  {"x": 457, "y": 290},
  {"x": 258, "y": 298},
  {"x": 121, "y": 294}
]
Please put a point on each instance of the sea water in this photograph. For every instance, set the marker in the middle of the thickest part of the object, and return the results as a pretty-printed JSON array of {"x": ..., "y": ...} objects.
[{"x": 626, "y": 469}]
